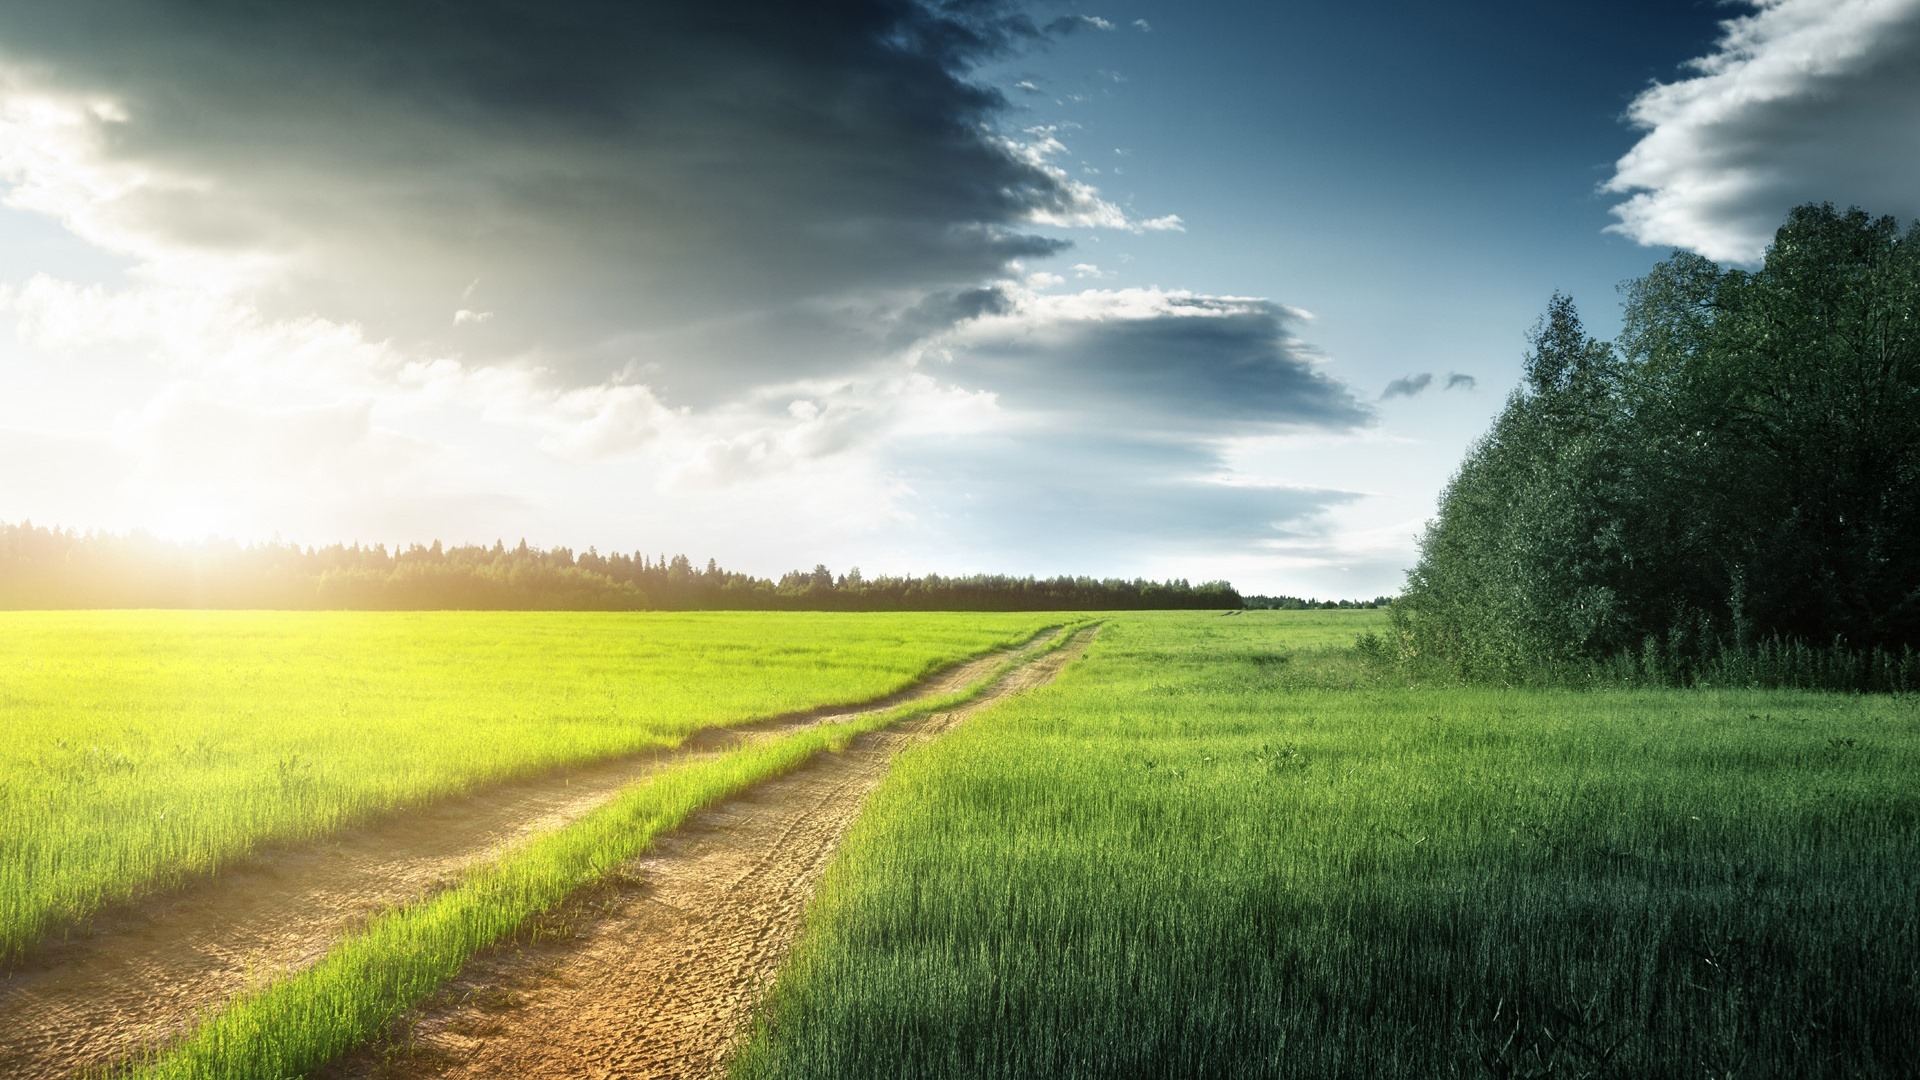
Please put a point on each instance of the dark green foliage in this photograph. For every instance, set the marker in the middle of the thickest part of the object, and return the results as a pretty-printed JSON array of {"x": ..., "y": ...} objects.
[
  {"x": 53, "y": 568},
  {"x": 1295, "y": 603},
  {"x": 1736, "y": 478}
]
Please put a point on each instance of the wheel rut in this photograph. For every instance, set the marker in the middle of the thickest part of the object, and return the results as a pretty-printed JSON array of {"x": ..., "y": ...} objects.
[
  {"x": 138, "y": 976},
  {"x": 655, "y": 972}
]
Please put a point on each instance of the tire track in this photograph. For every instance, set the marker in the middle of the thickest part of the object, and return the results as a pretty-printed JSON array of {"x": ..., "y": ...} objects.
[
  {"x": 655, "y": 972},
  {"x": 137, "y": 977}
]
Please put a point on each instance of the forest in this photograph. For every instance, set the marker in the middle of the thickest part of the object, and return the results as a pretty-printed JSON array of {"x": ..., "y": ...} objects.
[
  {"x": 59, "y": 568},
  {"x": 1729, "y": 491}
]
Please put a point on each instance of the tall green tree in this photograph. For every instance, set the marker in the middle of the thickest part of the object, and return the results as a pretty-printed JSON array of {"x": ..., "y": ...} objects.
[
  {"x": 1520, "y": 564},
  {"x": 1814, "y": 373},
  {"x": 1744, "y": 465}
]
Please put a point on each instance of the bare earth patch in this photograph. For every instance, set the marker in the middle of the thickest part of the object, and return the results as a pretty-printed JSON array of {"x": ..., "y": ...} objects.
[
  {"x": 134, "y": 978},
  {"x": 656, "y": 972}
]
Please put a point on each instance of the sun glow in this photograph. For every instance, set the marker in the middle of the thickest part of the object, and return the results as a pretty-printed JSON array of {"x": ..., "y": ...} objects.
[{"x": 194, "y": 521}]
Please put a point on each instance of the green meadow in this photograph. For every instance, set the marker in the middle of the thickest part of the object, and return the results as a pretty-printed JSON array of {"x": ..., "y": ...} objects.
[
  {"x": 1214, "y": 846},
  {"x": 146, "y": 747},
  {"x": 1235, "y": 847},
  {"x": 372, "y": 976}
]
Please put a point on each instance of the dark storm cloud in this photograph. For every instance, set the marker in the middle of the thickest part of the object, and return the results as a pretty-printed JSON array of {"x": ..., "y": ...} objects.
[
  {"x": 1457, "y": 381},
  {"x": 1055, "y": 495},
  {"x": 1198, "y": 366},
  {"x": 942, "y": 311},
  {"x": 597, "y": 178}
]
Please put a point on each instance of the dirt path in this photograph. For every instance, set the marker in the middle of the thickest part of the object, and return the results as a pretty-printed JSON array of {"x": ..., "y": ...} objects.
[
  {"x": 655, "y": 972},
  {"x": 134, "y": 978}
]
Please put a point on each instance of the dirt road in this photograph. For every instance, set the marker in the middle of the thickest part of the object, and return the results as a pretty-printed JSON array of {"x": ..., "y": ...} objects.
[
  {"x": 655, "y": 973},
  {"x": 135, "y": 978}
]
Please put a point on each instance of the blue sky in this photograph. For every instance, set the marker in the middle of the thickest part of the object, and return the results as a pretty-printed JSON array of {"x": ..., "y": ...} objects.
[{"x": 1159, "y": 288}]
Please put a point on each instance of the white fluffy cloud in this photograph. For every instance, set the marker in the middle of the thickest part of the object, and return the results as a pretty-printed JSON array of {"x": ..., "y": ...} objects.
[
  {"x": 1076, "y": 204},
  {"x": 1801, "y": 101}
]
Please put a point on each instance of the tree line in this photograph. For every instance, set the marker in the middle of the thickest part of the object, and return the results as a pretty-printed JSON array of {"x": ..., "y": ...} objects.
[
  {"x": 1729, "y": 491},
  {"x": 57, "y": 568},
  {"x": 1295, "y": 603}
]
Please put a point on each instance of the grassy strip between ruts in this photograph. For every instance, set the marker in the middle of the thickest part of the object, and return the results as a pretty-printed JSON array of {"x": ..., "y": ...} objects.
[{"x": 369, "y": 979}]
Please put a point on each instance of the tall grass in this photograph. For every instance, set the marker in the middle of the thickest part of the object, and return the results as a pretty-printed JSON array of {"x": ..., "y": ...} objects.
[
  {"x": 1212, "y": 849},
  {"x": 1776, "y": 663},
  {"x": 1701, "y": 659},
  {"x": 146, "y": 747},
  {"x": 368, "y": 980}
]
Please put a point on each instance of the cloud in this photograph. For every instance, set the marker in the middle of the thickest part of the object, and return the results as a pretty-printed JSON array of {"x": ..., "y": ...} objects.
[
  {"x": 51, "y": 477},
  {"x": 190, "y": 438},
  {"x": 940, "y": 312},
  {"x": 1415, "y": 385},
  {"x": 1149, "y": 359},
  {"x": 1409, "y": 386},
  {"x": 1143, "y": 26},
  {"x": 1076, "y": 203},
  {"x": 1062, "y": 499},
  {"x": 398, "y": 276},
  {"x": 1112, "y": 412},
  {"x": 650, "y": 184},
  {"x": 1044, "y": 423},
  {"x": 186, "y": 332},
  {"x": 1067, "y": 24},
  {"x": 1801, "y": 101},
  {"x": 202, "y": 465}
]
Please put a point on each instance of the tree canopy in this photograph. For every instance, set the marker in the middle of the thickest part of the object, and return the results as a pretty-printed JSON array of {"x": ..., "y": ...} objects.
[{"x": 1740, "y": 467}]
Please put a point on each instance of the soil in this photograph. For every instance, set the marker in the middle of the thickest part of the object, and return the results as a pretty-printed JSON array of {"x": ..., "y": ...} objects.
[
  {"x": 656, "y": 973},
  {"x": 133, "y": 978}
]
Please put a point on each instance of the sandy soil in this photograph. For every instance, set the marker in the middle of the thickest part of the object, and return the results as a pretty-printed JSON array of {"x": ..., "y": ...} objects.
[
  {"x": 133, "y": 978},
  {"x": 656, "y": 972}
]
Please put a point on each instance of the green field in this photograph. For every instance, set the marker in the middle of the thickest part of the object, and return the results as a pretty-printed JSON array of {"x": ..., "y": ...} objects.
[
  {"x": 1227, "y": 847},
  {"x": 1215, "y": 846},
  {"x": 371, "y": 977},
  {"x": 144, "y": 747}
]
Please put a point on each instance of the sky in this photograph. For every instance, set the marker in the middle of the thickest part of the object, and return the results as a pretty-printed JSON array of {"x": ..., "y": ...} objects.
[{"x": 1159, "y": 289}]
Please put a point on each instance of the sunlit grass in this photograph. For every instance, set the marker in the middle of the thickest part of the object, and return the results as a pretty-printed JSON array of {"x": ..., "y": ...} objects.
[
  {"x": 144, "y": 747},
  {"x": 1210, "y": 850},
  {"x": 374, "y": 976}
]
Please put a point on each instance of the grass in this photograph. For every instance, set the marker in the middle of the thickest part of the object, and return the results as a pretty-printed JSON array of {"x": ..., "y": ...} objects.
[
  {"x": 1221, "y": 847},
  {"x": 371, "y": 978},
  {"x": 146, "y": 747}
]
